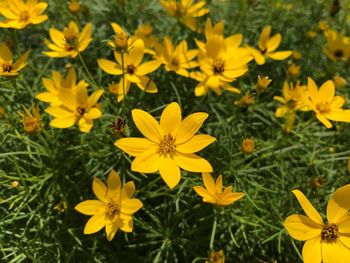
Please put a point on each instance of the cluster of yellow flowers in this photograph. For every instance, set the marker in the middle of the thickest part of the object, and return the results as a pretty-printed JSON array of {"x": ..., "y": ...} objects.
[{"x": 172, "y": 143}]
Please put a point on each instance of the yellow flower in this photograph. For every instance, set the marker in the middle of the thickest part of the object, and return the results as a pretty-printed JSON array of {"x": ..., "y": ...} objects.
[
  {"x": 74, "y": 6},
  {"x": 134, "y": 71},
  {"x": 58, "y": 82},
  {"x": 121, "y": 42},
  {"x": 339, "y": 81},
  {"x": 246, "y": 100},
  {"x": 322, "y": 25},
  {"x": 267, "y": 47},
  {"x": 325, "y": 104},
  {"x": 186, "y": 11},
  {"x": 113, "y": 209},
  {"x": 178, "y": 59},
  {"x": 2, "y": 112},
  {"x": 292, "y": 99},
  {"x": 328, "y": 242},
  {"x": 19, "y": 14},
  {"x": 216, "y": 257},
  {"x": 338, "y": 46},
  {"x": 294, "y": 70},
  {"x": 168, "y": 146},
  {"x": 31, "y": 121},
  {"x": 61, "y": 206},
  {"x": 69, "y": 42},
  {"x": 76, "y": 107},
  {"x": 311, "y": 34},
  {"x": 144, "y": 31},
  {"x": 248, "y": 146},
  {"x": 14, "y": 184},
  {"x": 263, "y": 83},
  {"x": 297, "y": 54},
  {"x": 214, "y": 193},
  {"x": 7, "y": 66}
]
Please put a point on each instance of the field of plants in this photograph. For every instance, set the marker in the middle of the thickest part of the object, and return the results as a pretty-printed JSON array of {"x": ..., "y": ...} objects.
[{"x": 175, "y": 131}]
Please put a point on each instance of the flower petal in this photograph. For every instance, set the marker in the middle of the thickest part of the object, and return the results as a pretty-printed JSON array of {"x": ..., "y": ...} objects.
[
  {"x": 209, "y": 183},
  {"x": 327, "y": 91},
  {"x": 308, "y": 208},
  {"x": 195, "y": 144},
  {"x": 125, "y": 223},
  {"x": 334, "y": 252},
  {"x": 109, "y": 66},
  {"x": 114, "y": 185},
  {"x": 170, "y": 172},
  {"x": 129, "y": 189},
  {"x": 147, "y": 125},
  {"x": 192, "y": 163},
  {"x": 148, "y": 67},
  {"x": 201, "y": 191},
  {"x": 301, "y": 227},
  {"x": 130, "y": 206},
  {"x": 338, "y": 204},
  {"x": 111, "y": 229},
  {"x": 90, "y": 207},
  {"x": 170, "y": 120},
  {"x": 99, "y": 189},
  {"x": 189, "y": 126},
  {"x": 279, "y": 55},
  {"x": 95, "y": 224},
  {"x": 135, "y": 146},
  {"x": 312, "y": 251},
  {"x": 147, "y": 162}
]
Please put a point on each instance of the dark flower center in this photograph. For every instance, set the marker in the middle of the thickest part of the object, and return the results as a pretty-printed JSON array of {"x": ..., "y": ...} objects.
[
  {"x": 218, "y": 66},
  {"x": 130, "y": 69},
  {"x": 338, "y": 53},
  {"x": 330, "y": 233}
]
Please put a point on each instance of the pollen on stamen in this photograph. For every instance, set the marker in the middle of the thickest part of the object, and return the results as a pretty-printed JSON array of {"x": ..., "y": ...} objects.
[
  {"x": 112, "y": 208},
  {"x": 330, "y": 233},
  {"x": 167, "y": 145}
]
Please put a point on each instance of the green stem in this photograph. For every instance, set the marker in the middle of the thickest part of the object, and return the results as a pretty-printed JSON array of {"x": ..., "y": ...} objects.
[
  {"x": 212, "y": 237},
  {"x": 87, "y": 70},
  {"x": 123, "y": 78}
]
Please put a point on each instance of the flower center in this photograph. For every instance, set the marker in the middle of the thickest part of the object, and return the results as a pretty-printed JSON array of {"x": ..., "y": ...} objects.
[
  {"x": 167, "y": 145},
  {"x": 130, "y": 69},
  {"x": 7, "y": 67},
  {"x": 338, "y": 53},
  {"x": 218, "y": 66},
  {"x": 80, "y": 111},
  {"x": 71, "y": 39},
  {"x": 175, "y": 62},
  {"x": 323, "y": 107},
  {"x": 330, "y": 233},
  {"x": 121, "y": 42},
  {"x": 24, "y": 16},
  {"x": 180, "y": 10},
  {"x": 31, "y": 125},
  {"x": 112, "y": 208}
]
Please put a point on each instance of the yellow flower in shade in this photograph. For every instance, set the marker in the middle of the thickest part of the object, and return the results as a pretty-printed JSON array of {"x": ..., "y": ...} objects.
[
  {"x": 294, "y": 70},
  {"x": 186, "y": 11},
  {"x": 74, "y": 6},
  {"x": 327, "y": 242},
  {"x": 2, "y": 112},
  {"x": 19, "y": 14},
  {"x": 69, "y": 42},
  {"x": 311, "y": 34},
  {"x": 61, "y": 206},
  {"x": 113, "y": 209},
  {"x": 322, "y": 25},
  {"x": 267, "y": 47},
  {"x": 216, "y": 257},
  {"x": 248, "y": 146},
  {"x": 246, "y": 100},
  {"x": 338, "y": 46},
  {"x": 262, "y": 83},
  {"x": 14, "y": 184},
  {"x": 214, "y": 193},
  {"x": 178, "y": 59},
  {"x": 339, "y": 81},
  {"x": 7, "y": 66},
  {"x": 292, "y": 99},
  {"x": 168, "y": 146},
  {"x": 76, "y": 107},
  {"x": 134, "y": 70},
  {"x": 325, "y": 104},
  {"x": 58, "y": 82},
  {"x": 31, "y": 121},
  {"x": 297, "y": 54},
  {"x": 144, "y": 31}
]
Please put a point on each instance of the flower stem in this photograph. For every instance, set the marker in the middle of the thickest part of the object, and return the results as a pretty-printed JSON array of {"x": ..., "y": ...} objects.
[
  {"x": 212, "y": 237},
  {"x": 87, "y": 70},
  {"x": 123, "y": 79}
]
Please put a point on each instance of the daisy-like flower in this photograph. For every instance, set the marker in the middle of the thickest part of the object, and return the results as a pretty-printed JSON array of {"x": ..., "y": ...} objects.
[
  {"x": 31, "y": 121},
  {"x": 58, "y": 82},
  {"x": 325, "y": 242},
  {"x": 263, "y": 82},
  {"x": 168, "y": 146},
  {"x": 268, "y": 46},
  {"x": 134, "y": 70},
  {"x": 214, "y": 192},
  {"x": 186, "y": 11},
  {"x": 216, "y": 257},
  {"x": 178, "y": 59},
  {"x": 114, "y": 207},
  {"x": 325, "y": 104},
  {"x": 7, "y": 66},
  {"x": 19, "y": 14},
  {"x": 338, "y": 46},
  {"x": 121, "y": 42},
  {"x": 144, "y": 31},
  {"x": 69, "y": 42},
  {"x": 76, "y": 107}
]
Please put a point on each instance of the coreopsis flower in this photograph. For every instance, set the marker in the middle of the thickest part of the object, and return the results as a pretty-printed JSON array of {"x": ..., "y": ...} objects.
[
  {"x": 68, "y": 42},
  {"x": 339, "y": 81},
  {"x": 216, "y": 257},
  {"x": 56, "y": 83},
  {"x": 325, "y": 104},
  {"x": 178, "y": 59},
  {"x": 338, "y": 46},
  {"x": 297, "y": 54},
  {"x": 31, "y": 120},
  {"x": 214, "y": 193},
  {"x": 311, "y": 34},
  {"x": 74, "y": 6},
  {"x": 19, "y": 14},
  {"x": 134, "y": 70},
  {"x": 267, "y": 47},
  {"x": 144, "y": 31},
  {"x": 248, "y": 146},
  {"x": 114, "y": 207},
  {"x": 186, "y": 11},
  {"x": 322, "y": 25},
  {"x": 9, "y": 68},
  {"x": 14, "y": 184},
  {"x": 168, "y": 146},
  {"x": 327, "y": 242},
  {"x": 263, "y": 82},
  {"x": 292, "y": 99},
  {"x": 76, "y": 107},
  {"x": 121, "y": 42},
  {"x": 294, "y": 70},
  {"x": 245, "y": 101}
]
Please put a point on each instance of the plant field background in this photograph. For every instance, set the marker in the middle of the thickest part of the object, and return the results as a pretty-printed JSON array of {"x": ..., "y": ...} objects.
[{"x": 58, "y": 165}]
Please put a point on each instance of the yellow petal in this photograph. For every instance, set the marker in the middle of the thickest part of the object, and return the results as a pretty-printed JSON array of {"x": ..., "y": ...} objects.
[
  {"x": 99, "y": 189},
  {"x": 308, "y": 208},
  {"x": 264, "y": 36},
  {"x": 90, "y": 207},
  {"x": 327, "y": 91},
  {"x": 148, "y": 67},
  {"x": 301, "y": 227},
  {"x": 125, "y": 223},
  {"x": 135, "y": 146},
  {"x": 136, "y": 53},
  {"x": 209, "y": 183},
  {"x": 82, "y": 96},
  {"x": 130, "y": 206},
  {"x": 195, "y": 144},
  {"x": 147, "y": 162},
  {"x": 111, "y": 229},
  {"x": 192, "y": 163},
  {"x": 114, "y": 185},
  {"x": 170, "y": 119},
  {"x": 312, "y": 251},
  {"x": 201, "y": 191},
  {"x": 85, "y": 125},
  {"x": 147, "y": 125},
  {"x": 5, "y": 52},
  {"x": 279, "y": 55},
  {"x": 146, "y": 84},
  {"x": 95, "y": 96},
  {"x": 229, "y": 197},
  {"x": 338, "y": 204},
  {"x": 95, "y": 224},
  {"x": 273, "y": 43},
  {"x": 129, "y": 189},
  {"x": 85, "y": 37},
  {"x": 110, "y": 67},
  {"x": 218, "y": 184},
  {"x": 93, "y": 113},
  {"x": 337, "y": 102},
  {"x": 189, "y": 126},
  {"x": 170, "y": 172},
  {"x": 324, "y": 120},
  {"x": 64, "y": 122},
  {"x": 334, "y": 252}
]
